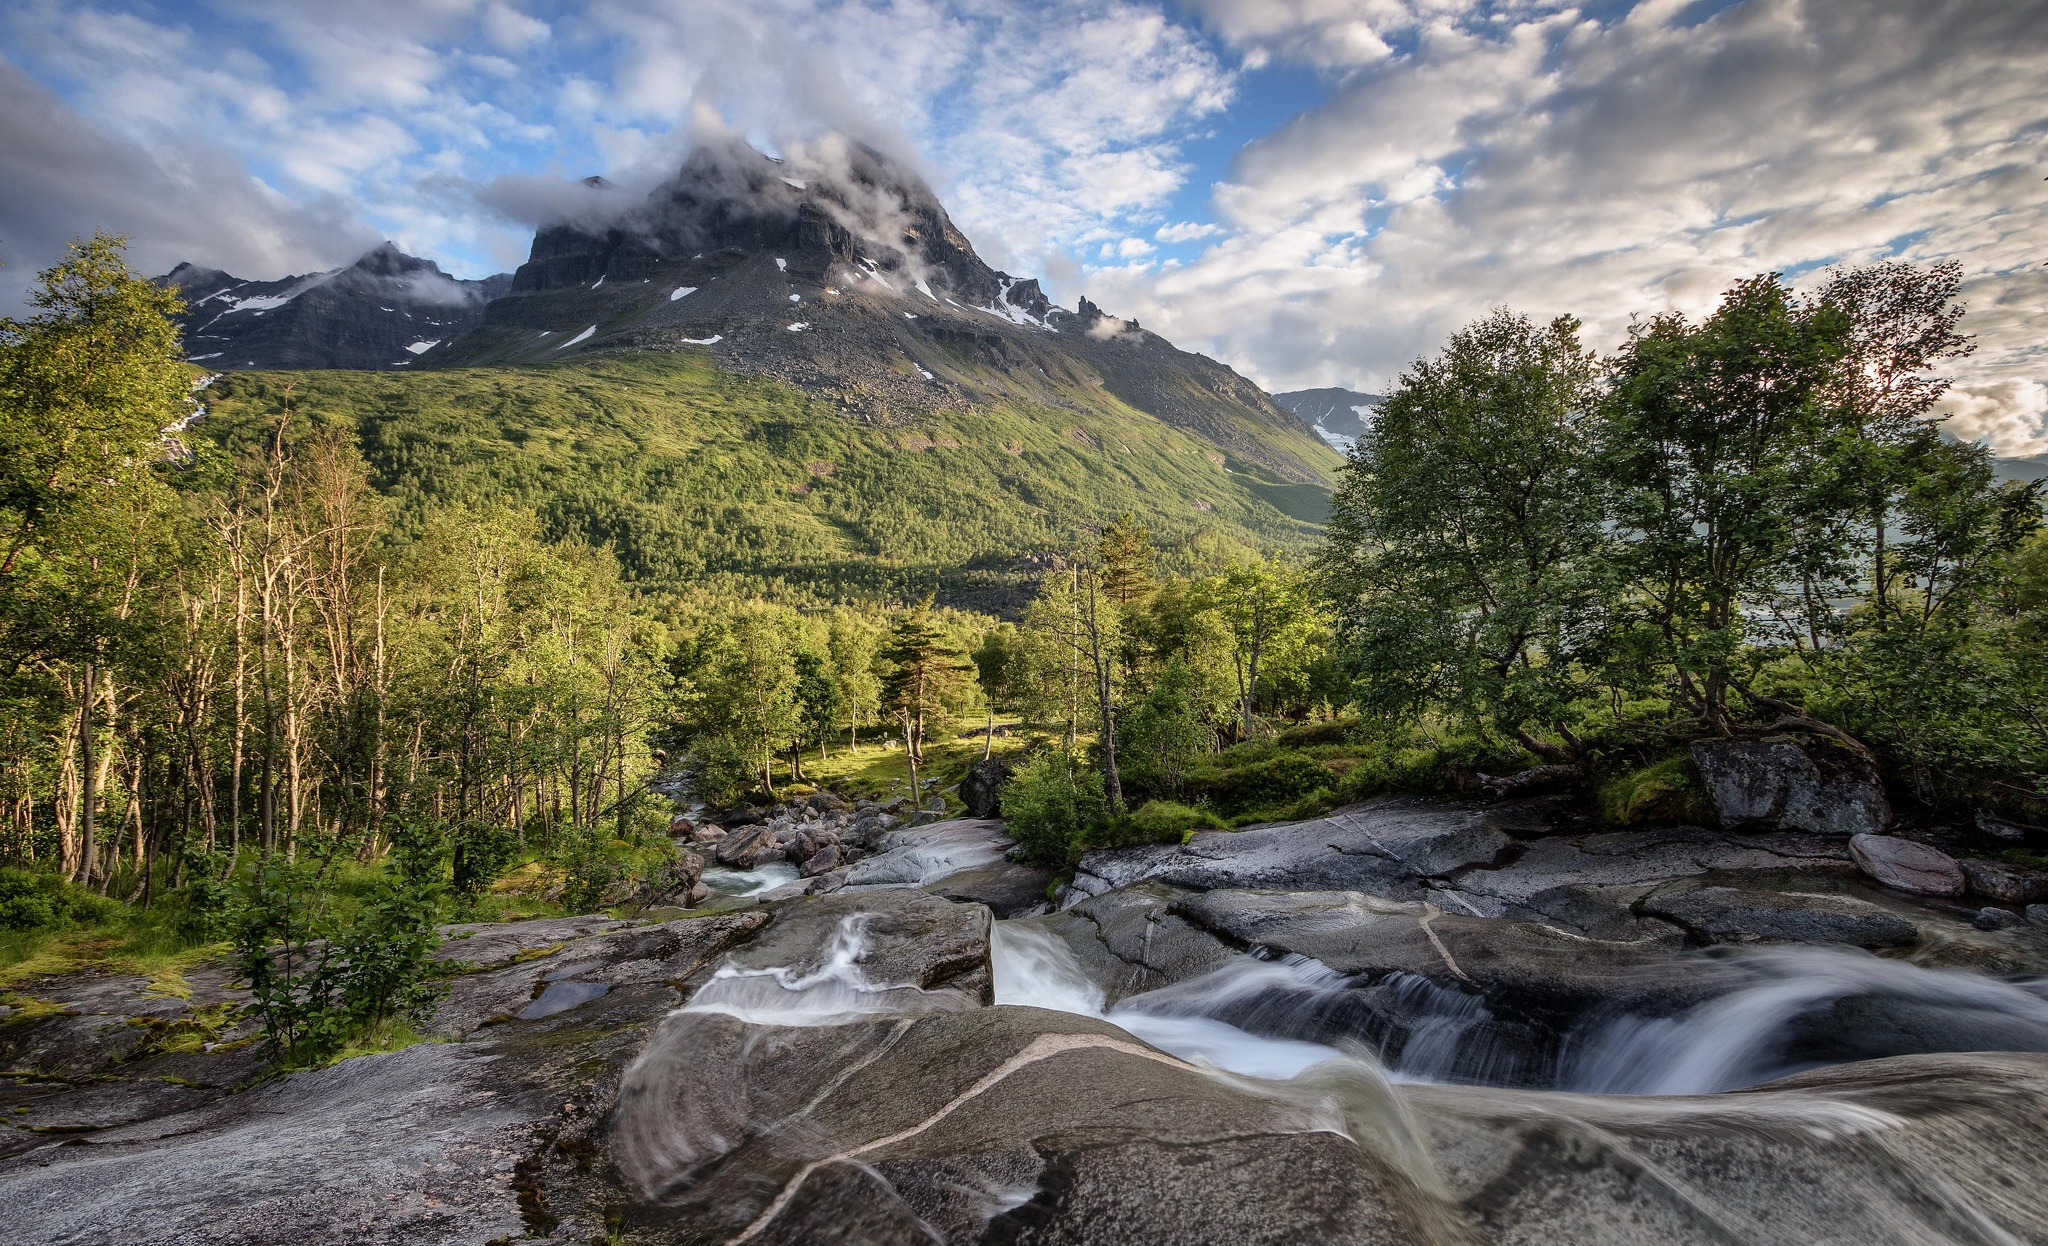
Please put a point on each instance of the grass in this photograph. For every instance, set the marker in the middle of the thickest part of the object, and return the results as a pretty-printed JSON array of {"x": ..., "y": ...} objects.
[{"x": 714, "y": 486}]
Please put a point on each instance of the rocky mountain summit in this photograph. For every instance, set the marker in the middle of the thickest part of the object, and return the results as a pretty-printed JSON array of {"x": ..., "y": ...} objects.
[
  {"x": 383, "y": 311},
  {"x": 838, "y": 270}
]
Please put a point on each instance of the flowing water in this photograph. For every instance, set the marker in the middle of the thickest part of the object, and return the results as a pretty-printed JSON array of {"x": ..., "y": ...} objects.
[
  {"x": 744, "y": 883},
  {"x": 1795, "y": 1009}
]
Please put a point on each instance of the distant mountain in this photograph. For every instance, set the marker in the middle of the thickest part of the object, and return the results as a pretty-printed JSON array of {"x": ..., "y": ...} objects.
[
  {"x": 383, "y": 311},
  {"x": 840, "y": 273},
  {"x": 2026, "y": 470},
  {"x": 1338, "y": 416}
]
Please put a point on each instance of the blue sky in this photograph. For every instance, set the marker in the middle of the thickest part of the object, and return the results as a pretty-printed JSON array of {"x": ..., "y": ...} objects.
[{"x": 1315, "y": 191}]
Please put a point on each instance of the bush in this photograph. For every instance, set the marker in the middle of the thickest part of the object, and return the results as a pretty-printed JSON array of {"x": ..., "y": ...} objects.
[
  {"x": 1663, "y": 791},
  {"x": 481, "y": 854},
  {"x": 208, "y": 904},
  {"x": 315, "y": 986},
  {"x": 1280, "y": 780},
  {"x": 1156, "y": 822},
  {"x": 1163, "y": 735},
  {"x": 1054, "y": 805},
  {"x": 35, "y": 900}
]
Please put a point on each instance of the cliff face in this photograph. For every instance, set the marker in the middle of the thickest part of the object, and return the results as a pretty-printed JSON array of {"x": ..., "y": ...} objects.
[{"x": 383, "y": 311}]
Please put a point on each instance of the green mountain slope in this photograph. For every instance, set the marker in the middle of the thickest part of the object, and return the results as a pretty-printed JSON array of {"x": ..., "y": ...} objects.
[{"x": 712, "y": 484}]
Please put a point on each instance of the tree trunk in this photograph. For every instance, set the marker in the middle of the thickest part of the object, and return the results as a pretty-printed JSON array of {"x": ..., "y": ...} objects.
[{"x": 88, "y": 802}]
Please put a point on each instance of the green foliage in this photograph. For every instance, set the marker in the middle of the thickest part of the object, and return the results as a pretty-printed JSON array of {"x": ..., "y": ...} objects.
[
  {"x": 316, "y": 983},
  {"x": 1667, "y": 790},
  {"x": 726, "y": 488},
  {"x": 594, "y": 869},
  {"x": 1277, "y": 779},
  {"x": 720, "y": 770},
  {"x": 480, "y": 854},
  {"x": 1465, "y": 537},
  {"x": 1054, "y": 805},
  {"x": 1160, "y": 737},
  {"x": 1161, "y": 822},
  {"x": 38, "y": 900}
]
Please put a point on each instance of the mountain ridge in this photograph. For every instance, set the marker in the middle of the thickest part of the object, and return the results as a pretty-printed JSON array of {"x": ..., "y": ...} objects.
[{"x": 382, "y": 311}]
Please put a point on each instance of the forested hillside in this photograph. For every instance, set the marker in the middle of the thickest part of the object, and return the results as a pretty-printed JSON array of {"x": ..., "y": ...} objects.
[{"x": 710, "y": 485}]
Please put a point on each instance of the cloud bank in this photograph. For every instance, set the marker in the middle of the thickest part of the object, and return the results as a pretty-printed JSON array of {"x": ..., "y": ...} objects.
[{"x": 1316, "y": 191}]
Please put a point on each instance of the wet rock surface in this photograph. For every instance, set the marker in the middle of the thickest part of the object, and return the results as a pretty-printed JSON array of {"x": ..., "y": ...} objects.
[
  {"x": 830, "y": 1066},
  {"x": 1907, "y": 866}
]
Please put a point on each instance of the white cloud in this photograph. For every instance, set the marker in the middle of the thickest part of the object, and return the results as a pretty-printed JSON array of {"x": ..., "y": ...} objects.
[
  {"x": 1557, "y": 165},
  {"x": 1186, "y": 231}
]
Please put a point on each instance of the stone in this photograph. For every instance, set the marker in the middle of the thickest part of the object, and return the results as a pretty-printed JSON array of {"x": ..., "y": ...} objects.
[
  {"x": 682, "y": 828},
  {"x": 1989, "y": 823},
  {"x": 994, "y": 1124},
  {"x": 1792, "y": 782},
  {"x": 821, "y": 861},
  {"x": 742, "y": 847},
  {"x": 1717, "y": 915},
  {"x": 920, "y": 855},
  {"x": 982, "y": 790},
  {"x": 1997, "y": 880},
  {"x": 1995, "y": 919},
  {"x": 1385, "y": 847},
  {"x": 2037, "y": 914},
  {"x": 1907, "y": 866},
  {"x": 1798, "y": 1161}
]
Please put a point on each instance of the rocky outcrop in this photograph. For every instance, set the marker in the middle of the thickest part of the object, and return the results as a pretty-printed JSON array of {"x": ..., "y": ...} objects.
[
  {"x": 1792, "y": 782},
  {"x": 2003, "y": 881},
  {"x": 1385, "y": 847},
  {"x": 387, "y": 310},
  {"x": 1907, "y": 866},
  {"x": 829, "y": 1069},
  {"x": 982, "y": 790},
  {"x": 1723, "y": 915}
]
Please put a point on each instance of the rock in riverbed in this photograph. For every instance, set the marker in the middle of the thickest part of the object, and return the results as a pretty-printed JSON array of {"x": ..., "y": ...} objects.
[{"x": 1907, "y": 866}]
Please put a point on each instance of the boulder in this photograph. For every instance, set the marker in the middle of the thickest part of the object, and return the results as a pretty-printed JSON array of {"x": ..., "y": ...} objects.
[
  {"x": 982, "y": 790},
  {"x": 920, "y": 855},
  {"x": 826, "y": 858},
  {"x": 1384, "y": 847},
  {"x": 1718, "y": 915},
  {"x": 1997, "y": 880},
  {"x": 742, "y": 847},
  {"x": 1995, "y": 919},
  {"x": 1907, "y": 866},
  {"x": 1792, "y": 782}
]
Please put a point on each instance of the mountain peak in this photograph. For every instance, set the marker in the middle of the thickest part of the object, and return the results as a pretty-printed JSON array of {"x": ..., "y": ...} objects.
[
  {"x": 386, "y": 260},
  {"x": 832, "y": 201}
]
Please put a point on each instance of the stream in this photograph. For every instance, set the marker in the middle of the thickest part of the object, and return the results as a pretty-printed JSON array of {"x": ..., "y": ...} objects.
[{"x": 1803, "y": 1008}]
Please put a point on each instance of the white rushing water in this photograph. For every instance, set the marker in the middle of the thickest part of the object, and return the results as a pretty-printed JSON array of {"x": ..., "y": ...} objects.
[
  {"x": 1794, "y": 1009},
  {"x": 1808, "y": 1008},
  {"x": 834, "y": 991},
  {"x": 1036, "y": 970},
  {"x": 743, "y": 883}
]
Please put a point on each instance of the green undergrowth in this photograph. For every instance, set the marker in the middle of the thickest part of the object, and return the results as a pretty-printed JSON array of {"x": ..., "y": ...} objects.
[{"x": 717, "y": 486}]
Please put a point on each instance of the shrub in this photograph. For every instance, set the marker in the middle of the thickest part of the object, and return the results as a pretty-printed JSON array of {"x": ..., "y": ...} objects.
[
  {"x": 36, "y": 900},
  {"x": 1663, "y": 791},
  {"x": 1279, "y": 780},
  {"x": 1054, "y": 804},
  {"x": 313, "y": 986},
  {"x": 481, "y": 854},
  {"x": 1156, "y": 822},
  {"x": 1163, "y": 735}
]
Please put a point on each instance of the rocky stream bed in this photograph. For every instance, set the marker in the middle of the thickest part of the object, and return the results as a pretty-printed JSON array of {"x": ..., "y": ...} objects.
[{"x": 1412, "y": 1021}]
